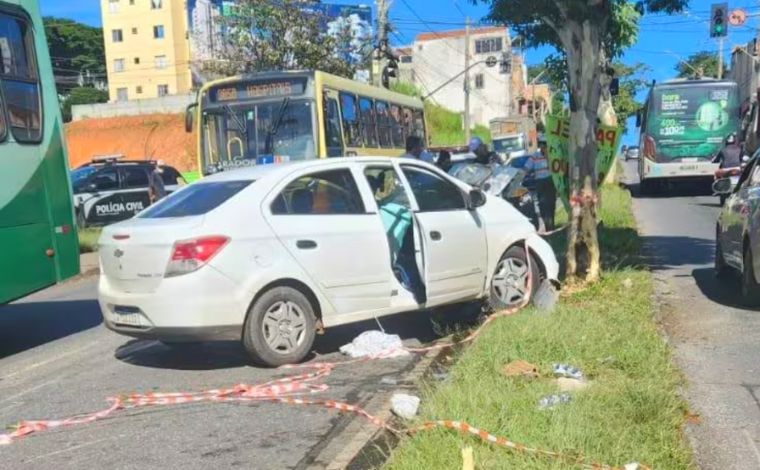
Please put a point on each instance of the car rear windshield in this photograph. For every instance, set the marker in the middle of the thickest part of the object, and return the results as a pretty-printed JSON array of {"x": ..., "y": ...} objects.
[{"x": 196, "y": 199}]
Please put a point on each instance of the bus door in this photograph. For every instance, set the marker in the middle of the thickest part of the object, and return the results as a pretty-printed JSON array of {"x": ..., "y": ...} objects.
[{"x": 333, "y": 130}]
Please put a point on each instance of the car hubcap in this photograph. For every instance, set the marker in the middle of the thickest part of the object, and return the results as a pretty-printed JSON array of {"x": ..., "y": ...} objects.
[
  {"x": 510, "y": 282},
  {"x": 284, "y": 327}
]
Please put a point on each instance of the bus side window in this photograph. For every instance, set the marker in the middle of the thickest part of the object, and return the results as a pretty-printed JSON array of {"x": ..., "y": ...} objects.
[
  {"x": 350, "y": 115},
  {"x": 383, "y": 124},
  {"x": 418, "y": 125},
  {"x": 397, "y": 126},
  {"x": 22, "y": 92},
  {"x": 333, "y": 138},
  {"x": 407, "y": 118},
  {"x": 369, "y": 129}
]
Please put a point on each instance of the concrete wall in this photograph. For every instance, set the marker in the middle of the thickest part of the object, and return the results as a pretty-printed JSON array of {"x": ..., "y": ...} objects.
[
  {"x": 165, "y": 105},
  {"x": 436, "y": 60},
  {"x": 744, "y": 71}
]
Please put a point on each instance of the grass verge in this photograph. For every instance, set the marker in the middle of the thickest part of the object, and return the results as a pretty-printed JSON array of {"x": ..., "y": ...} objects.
[
  {"x": 88, "y": 239},
  {"x": 631, "y": 412}
]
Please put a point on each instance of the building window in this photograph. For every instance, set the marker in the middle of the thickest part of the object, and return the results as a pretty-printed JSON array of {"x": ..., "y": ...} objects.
[
  {"x": 161, "y": 62},
  {"x": 156, "y": 4},
  {"x": 118, "y": 65},
  {"x": 131, "y": 2},
  {"x": 137, "y": 60},
  {"x": 479, "y": 81},
  {"x": 406, "y": 59},
  {"x": 122, "y": 94},
  {"x": 116, "y": 35},
  {"x": 134, "y": 30},
  {"x": 158, "y": 31},
  {"x": 485, "y": 46},
  {"x": 138, "y": 90},
  {"x": 113, "y": 6},
  {"x": 163, "y": 90}
]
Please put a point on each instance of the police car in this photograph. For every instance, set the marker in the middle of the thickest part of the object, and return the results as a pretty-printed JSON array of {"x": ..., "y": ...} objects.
[{"x": 110, "y": 189}]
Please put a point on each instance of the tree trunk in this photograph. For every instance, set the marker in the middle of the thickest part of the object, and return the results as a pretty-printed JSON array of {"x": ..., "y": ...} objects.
[{"x": 583, "y": 47}]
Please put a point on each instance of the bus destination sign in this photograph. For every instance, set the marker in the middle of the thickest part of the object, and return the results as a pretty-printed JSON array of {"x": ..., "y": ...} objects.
[{"x": 259, "y": 89}]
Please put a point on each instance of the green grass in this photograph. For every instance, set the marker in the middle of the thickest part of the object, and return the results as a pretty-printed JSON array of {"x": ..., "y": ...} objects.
[
  {"x": 631, "y": 412},
  {"x": 88, "y": 239}
]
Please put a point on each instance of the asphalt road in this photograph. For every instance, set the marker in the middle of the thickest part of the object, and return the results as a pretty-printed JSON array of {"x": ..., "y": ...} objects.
[
  {"x": 57, "y": 360},
  {"x": 716, "y": 342}
]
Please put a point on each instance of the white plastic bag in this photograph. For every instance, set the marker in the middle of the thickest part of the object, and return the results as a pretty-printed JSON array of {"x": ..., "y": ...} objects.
[{"x": 375, "y": 343}]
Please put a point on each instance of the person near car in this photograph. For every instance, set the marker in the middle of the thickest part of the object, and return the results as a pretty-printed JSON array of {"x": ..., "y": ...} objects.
[
  {"x": 415, "y": 149},
  {"x": 730, "y": 156},
  {"x": 156, "y": 188},
  {"x": 537, "y": 168},
  {"x": 483, "y": 156},
  {"x": 444, "y": 160}
]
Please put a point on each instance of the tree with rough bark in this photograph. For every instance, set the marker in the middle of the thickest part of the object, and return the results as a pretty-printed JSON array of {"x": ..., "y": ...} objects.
[
  {"x": 590, "y": 33},
  {"x": 286, "y": 35}
]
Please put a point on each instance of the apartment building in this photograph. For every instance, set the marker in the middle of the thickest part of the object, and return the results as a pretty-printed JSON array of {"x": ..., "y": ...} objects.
[
  {"x": 435, "y": 57},
  {"x": 147, "y": 48}
]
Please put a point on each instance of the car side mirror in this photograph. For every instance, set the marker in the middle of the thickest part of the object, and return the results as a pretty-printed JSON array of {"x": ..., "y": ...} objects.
[
  {"x": 189, "y": 117},
  {"x": 723, "y": 186},
  {"x": 476, "y": 198}
]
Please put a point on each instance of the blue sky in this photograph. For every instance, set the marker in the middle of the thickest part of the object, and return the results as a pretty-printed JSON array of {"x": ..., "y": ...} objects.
[{"x": 662, "y": 39}]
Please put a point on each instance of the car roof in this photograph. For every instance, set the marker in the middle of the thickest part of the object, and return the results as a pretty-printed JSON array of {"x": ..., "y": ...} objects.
[{"x": 278, "y": 170}]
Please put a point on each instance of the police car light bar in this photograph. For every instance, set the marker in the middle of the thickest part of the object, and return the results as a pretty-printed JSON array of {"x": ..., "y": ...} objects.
[{"x": 107, "y": 158}]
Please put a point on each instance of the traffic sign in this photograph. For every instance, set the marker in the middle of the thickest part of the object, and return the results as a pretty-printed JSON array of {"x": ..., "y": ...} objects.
[
  {"x": 737, "y": 17},
  {"x": 491, "y": 61}
]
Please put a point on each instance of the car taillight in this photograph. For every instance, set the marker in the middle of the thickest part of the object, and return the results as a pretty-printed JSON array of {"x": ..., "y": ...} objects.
[
  {"x": 650, "y": 147},
  {"x": 191, "y": 255}
]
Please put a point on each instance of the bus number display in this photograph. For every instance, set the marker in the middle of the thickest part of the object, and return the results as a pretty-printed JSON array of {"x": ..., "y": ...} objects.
[{"x": 259, "y": 90}]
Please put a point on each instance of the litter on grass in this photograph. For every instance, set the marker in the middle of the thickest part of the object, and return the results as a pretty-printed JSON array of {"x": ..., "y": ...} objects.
[
  {"x": 405, "y": 406},
  {"x": 372, "y": 343},
  {"x": 546, "y": 298},
  {"x": 520, "y": 369},
  {"x": 565, "y": 370},
  {"x": 551, "y": 401},
  {"x": 571, "y": 385}
]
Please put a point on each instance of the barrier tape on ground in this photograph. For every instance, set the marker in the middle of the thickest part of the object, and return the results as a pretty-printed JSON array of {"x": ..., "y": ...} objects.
[{"x": 292, "y": 389}]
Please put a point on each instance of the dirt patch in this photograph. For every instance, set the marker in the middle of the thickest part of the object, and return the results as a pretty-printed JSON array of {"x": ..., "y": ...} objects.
[{"x": 155, "y": 136}]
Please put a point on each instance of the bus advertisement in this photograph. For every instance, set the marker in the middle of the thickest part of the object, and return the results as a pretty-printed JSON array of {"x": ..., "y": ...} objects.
[
  {"x": 37, "y": 229},
  {"x": 274, "y": 117},
  {"x": 683, "y": 126}
]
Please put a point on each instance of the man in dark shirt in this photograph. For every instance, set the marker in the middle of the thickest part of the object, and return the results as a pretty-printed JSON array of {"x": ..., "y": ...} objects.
[
  {"x": 730, "y": 156},
  {"x": 156, "y": 188},
  {"x": 482, "y": 154}
]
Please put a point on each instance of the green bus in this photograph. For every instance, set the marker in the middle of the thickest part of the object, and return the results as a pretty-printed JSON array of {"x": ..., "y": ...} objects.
[
  {"x": 37, "y": 232},
  {"x": 683, "y": 126}
]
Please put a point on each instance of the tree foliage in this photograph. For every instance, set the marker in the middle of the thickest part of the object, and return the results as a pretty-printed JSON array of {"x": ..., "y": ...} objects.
[
  {"x": 262, "y": 36},
  {"x": 700, "y": 64},
  {"x": 75, "y": 49},
  {"x": 81, "y": 95},
  {"x": 632, "y": 79}
]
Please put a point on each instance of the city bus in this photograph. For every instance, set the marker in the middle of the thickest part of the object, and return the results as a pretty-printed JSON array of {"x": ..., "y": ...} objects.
[
  {"x": 274, "y": 117},
  {"x": 37, "y": 231},
  {"x": 683, "y": 125}
]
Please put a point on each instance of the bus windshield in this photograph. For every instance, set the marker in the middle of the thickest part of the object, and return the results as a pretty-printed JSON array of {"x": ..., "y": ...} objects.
[
  {"x": 242, "y": 134},
  {"x": 509, "y": 144},
  {"x": 691, "y": 121}
]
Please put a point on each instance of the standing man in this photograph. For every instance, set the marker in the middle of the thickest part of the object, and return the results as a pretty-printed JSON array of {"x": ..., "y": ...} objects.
[
  {"x": 415, "y": 149},
  {"x": 483, "y": 156},
  {"x": 537, "y": 167},
  {"x": 156, "y": 188}
]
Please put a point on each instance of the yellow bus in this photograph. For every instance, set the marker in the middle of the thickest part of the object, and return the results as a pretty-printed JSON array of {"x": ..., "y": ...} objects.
[{"x": 274, "y": 117}]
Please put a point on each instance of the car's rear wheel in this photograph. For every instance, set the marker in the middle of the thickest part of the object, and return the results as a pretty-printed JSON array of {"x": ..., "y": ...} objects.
[
  {"x": 721, "y": 268},
  {"x": 750, "y": 287},
  {"x": 280, "y": 327},
  {"x": 509, "y": 284}
]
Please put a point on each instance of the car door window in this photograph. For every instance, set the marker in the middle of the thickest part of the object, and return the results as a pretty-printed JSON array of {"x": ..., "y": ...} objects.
[
  {"x": 433, "y": 193},
  {"x": 323, "y": 193},
  {"x": 106, "y": 180},
  {"x": 135, "y": 178},
  {"x": 170, "y": 176},
  {"x": 386, "y": 186}
]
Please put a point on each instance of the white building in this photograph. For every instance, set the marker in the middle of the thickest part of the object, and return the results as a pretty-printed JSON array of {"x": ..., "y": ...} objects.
[{"x": 437, "y": 56}]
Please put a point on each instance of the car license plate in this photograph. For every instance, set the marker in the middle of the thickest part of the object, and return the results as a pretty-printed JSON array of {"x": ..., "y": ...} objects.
[
  {"x": 129, "y": 319},
  {"x": 688, "y": 167}
]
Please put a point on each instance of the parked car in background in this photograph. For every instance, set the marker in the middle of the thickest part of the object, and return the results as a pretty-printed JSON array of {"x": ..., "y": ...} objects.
[
  {"x": 268, "y": 254},
  {"x": 110, "y": 189},
  {"x": 737, "y": 239},
  {"x": 632, "y": 153}
]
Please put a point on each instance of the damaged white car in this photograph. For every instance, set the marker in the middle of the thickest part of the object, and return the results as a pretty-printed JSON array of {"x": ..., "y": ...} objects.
[{"x": 269, "y": 254}]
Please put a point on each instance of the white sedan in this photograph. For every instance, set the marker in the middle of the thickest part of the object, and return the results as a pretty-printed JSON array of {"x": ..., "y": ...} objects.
[{"x": 268, "y": 255}]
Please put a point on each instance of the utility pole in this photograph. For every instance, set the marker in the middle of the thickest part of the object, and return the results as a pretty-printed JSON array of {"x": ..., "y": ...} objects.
[
  {"x": 720, "y": 58},
  {"x": 467, "y": 80},
  {"x": 380, "y": 55}
]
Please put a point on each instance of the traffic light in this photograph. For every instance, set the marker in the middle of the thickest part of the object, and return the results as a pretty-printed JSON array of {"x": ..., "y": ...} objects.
[{"x": 719, "y": 20}]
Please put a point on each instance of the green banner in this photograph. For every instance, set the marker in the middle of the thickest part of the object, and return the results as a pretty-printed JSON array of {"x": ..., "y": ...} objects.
[{"x": 557, "y": 137}]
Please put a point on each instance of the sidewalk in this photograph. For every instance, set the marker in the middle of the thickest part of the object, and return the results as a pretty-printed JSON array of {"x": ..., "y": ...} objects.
[{"x": 88, "y": 263}]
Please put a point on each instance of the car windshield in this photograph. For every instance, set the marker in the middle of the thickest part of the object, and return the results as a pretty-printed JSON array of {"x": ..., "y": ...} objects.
[
  {"x": 80, "y": 174},
  {"x": 473, "y": 174},
  {"x": 195, "y": 199},
  {"x": 508, "y": 144},
  {"x": 244, "y": 134}
]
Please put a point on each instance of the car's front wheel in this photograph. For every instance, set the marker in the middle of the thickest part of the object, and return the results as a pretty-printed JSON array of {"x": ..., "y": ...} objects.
[
  {"x": 750, "y": 287},
  {"x": 510, "y": 286},
  {"x": 280, "y": 327},
  {"x": 721, "y": 268}
]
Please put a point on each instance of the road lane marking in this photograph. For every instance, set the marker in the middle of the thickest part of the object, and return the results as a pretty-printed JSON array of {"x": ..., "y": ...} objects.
[
  {"x": 69, "y": 449},
  {"x": 36, "y": 387}
]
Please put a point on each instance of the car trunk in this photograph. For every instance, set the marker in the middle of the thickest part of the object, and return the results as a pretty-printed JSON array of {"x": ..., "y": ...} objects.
[{"x": 134, "y": 255}]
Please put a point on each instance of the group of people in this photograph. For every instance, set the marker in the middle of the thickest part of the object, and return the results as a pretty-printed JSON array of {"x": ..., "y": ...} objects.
[{"x": 538, "y": 174}]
